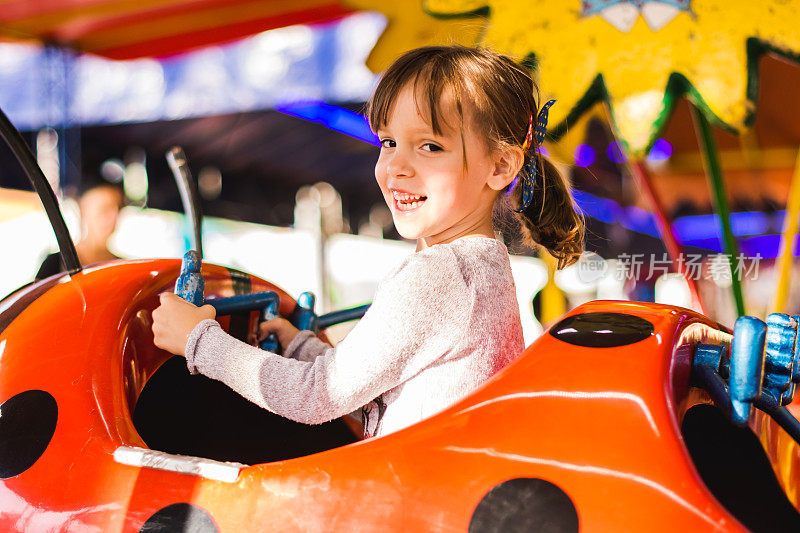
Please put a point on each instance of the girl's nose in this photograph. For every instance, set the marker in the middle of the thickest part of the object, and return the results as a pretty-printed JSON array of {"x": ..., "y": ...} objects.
[{"x": 399, "y": 165}]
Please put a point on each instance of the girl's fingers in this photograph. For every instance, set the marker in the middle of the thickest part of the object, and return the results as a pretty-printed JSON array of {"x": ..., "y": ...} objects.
[
  {"x": 284, "y": 329},
  {"x": 269, "y": 326}
]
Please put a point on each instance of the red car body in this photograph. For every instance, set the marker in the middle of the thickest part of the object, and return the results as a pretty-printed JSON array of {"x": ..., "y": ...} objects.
[{"x": 589, "y": 434}]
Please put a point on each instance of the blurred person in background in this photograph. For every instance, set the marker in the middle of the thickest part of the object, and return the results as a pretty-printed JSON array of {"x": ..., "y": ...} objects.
[{"x": 99, "y": 206}]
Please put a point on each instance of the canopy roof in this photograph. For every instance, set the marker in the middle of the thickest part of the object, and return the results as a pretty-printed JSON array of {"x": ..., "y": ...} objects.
[{"x": 126, "y": 29}]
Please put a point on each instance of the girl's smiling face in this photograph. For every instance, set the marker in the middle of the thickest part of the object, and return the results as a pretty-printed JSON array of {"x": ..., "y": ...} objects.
[{"x": 439, "y": 187}]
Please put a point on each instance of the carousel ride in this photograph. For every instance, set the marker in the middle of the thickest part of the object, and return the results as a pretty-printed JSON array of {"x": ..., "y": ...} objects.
[{"x": 586, "y": 430}]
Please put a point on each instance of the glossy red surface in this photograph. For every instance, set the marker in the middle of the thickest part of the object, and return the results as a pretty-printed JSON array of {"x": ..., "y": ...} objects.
[{"x": 603, "y": 424}]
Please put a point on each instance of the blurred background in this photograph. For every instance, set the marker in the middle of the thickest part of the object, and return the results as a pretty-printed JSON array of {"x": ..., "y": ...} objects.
[{"x": 676, "y": 123}]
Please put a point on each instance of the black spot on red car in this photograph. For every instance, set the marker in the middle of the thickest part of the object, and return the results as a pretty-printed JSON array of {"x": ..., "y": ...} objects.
[
  {"x": 602, "y": 330},
  {"x": 27, "y": 423},
  {"x": 183, "y": 517},
  {"x": 525, "y": 505}
]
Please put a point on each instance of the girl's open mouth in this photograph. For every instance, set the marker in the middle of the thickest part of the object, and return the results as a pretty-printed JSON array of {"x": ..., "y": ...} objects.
[{"x": 407, "y": 202}]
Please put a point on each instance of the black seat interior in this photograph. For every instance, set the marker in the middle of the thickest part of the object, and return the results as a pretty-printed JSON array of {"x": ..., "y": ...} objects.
[
  {"x": 736, "y": 470},
  {"x": 194, "y": 415}
]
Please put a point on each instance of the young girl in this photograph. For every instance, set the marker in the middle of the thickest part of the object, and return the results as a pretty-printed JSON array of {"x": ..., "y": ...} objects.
[{"x": 455, "y": 126}]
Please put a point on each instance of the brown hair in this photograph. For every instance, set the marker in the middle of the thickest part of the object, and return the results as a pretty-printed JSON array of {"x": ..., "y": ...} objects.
[{"x": 500, "y": 96}]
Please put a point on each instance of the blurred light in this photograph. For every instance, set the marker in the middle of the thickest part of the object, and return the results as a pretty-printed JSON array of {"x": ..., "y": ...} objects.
[
  {"x": 47, "y": 155},
  {"x": 673, "y": 289},
  {"x": 639, "y": 219},
  {"x": 147, "y": 233},
  {"x": 333, "y": 117},
  {"x": 612, "y": 285},
  {"x": 330, "y": 205},
  {"x": 320, "y": 61},
  {"x": 112, "y": 170},
  {"x": 355, "y": 37},
  {"x": 571, "y": 282},
  {"x": 544, "y": 151},
  {"x": 368, "y": 229},
  {"x": 697, "y": 227},
  {"x": 615, "y": 153},
  {"x": 327, "y": 194},
  {"x": 267, "y": 60},
  {"x": 46, "y": 140},
  {"x": 661, "y": 151},
  {"x": 710, "y": 226},
  {"x": 379, "y": 214},
  {"x": 210, "y": 183},
  {"x": 584, "y": 155},
  {"x": 145, "y": 90},
  {"x": 635, "y": 114},
  {"x": 720, "y": 271},
  {"x": 134, "y": 182},
  {"x": 25, "y": 239},
  {"x": 602, "y": 209},
  {"x": 749, "y": 223},
  {"x": 776, "y": 220},
  {"x": 703, "y": 231},
  {"x": 307, "y": 214}
]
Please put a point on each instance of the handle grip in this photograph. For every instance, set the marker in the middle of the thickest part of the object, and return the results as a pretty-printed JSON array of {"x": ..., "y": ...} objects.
[
  {"x": 271, "y": 343},
  {"x": 190, "y": 283},
  {"x": 747, "y": 366}
]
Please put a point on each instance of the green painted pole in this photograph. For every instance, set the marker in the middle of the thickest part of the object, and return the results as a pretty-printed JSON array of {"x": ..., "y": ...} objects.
[{"x": 717, "y": 184}]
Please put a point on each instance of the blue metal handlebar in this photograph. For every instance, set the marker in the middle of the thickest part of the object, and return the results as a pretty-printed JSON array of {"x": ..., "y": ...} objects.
[
  {"x": 190, "y": 285},
  {"x": 343, "y": 315},
  {"x": 760, "y": 372},
  {"x": 243, "y": 302}
]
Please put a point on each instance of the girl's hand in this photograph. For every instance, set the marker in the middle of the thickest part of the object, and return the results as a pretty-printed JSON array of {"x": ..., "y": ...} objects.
[
  {"x": 284, "y": 329},
  {"x": 174, "y": 320}
]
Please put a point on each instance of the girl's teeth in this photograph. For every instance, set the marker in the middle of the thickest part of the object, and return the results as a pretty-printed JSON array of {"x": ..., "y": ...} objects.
[
  {"x": 407, "y": 202},
  {"x": 405, "y": 197}
]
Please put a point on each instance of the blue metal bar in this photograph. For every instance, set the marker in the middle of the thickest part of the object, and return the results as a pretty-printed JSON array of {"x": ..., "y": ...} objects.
[
  {"x": 705, "y": 374},
  {"x": 244, "y": 302},
  {"x": 782, "y": 416},
  {"x": 709, "y": 359},
  {"x": 715, "y": 386},
  {"x": 343, "y": 315}
]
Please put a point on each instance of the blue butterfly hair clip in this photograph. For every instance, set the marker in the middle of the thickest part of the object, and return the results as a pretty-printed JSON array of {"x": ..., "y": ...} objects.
[{"x": 528, "y": 178}]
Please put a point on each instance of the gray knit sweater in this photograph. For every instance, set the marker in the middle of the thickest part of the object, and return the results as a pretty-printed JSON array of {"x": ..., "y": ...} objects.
[{"x": 441, "y": 323}]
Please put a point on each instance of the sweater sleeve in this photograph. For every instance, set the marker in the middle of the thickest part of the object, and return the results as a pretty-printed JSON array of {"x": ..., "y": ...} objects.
[
  {"x": 416, "y": 317},
  {"x": 305, "y": 347}
]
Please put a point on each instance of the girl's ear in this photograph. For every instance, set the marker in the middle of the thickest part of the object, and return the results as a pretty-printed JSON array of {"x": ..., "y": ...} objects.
[{"x": 507, "y": 164}]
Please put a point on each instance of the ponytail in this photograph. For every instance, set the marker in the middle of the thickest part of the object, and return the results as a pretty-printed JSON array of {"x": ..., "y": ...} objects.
[{"x": 551, "y": 219}]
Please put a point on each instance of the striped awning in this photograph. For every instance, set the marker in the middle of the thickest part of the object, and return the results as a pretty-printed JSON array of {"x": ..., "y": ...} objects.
[{"x": 126, "y": 29}]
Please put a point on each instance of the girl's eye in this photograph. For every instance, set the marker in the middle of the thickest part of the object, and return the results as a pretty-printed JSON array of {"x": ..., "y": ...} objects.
[
  {"x": 387, "y": 143},
  {"x": 430, "y": 147}
]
